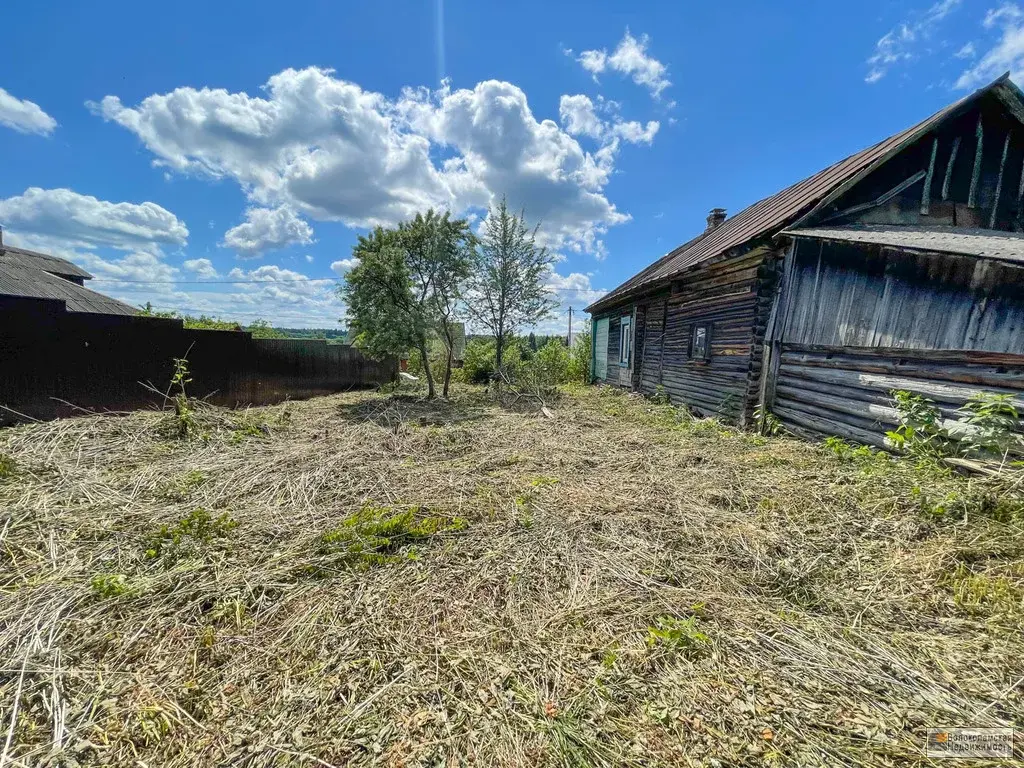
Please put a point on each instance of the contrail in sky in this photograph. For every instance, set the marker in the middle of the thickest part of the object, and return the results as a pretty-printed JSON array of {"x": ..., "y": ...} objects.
[{"x": 439, "y": 38}]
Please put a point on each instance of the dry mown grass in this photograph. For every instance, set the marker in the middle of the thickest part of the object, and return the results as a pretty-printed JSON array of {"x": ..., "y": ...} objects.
[{"x": 617, "y": 586}]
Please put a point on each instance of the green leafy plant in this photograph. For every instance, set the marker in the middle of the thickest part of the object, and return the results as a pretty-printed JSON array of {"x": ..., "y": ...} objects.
[
  {"x": 847, "y": 452},
  {"x": 660, "y": 395},
  {"x": 579, "y": 356},
  {"x": 107, "y": 585},
  {"x": 181, "y": 487},
  {"x": 198, "y": 527},
  {"x": 994, "y": 425},
  {"x": 985, "y": 594},
  {"x": 375, "y": 535},
  {"x": 767, "y": 422},
  {"x": 186, "y": 425},
  {"x": 920, "y": 432},
  {"x": 8, "y": 467},
  {"x": 680, "y": 634},
  {"x": 248, "y": 424},
  {"x": 478, "y": 362}
]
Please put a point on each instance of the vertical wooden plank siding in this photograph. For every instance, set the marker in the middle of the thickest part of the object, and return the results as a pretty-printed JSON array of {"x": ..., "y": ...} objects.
[
  {"x": 53, "y": 360},
  {"x": 863, "y": 321},
  {"x": 867, "y": 296}
]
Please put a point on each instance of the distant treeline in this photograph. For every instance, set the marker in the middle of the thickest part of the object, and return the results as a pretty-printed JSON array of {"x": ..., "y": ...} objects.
[
  {"x": 532, "y": 341},
  {"x": 335, "y": 335},
  {"x": 260, "y": 329}
]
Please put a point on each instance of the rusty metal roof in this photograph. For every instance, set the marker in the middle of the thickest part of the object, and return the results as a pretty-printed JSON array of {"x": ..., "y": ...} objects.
[
  {"x": 770, "y": 216},
  {"x": 43, "y": 261},
  {"x": 17, "y": 279},
  {"x": 983, "y": 243}
]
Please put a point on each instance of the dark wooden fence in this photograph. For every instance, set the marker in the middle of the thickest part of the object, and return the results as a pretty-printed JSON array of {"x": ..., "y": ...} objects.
[{"x": 53, "y": 363}]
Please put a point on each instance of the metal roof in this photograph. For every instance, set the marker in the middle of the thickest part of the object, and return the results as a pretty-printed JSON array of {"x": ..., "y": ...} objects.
[
  {"x": 986, "y": 243},
  {"x": 771, "y": 215},
  {"x": 16, "y": 279},
  {"x": 43, "y": 261}
]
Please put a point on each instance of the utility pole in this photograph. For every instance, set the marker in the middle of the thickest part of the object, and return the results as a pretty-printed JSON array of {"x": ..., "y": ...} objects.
[{"x": 568, "y": 339}]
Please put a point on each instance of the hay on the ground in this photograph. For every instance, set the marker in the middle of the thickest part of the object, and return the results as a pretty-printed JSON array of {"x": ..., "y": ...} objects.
[{"x": 372, "y": 580}]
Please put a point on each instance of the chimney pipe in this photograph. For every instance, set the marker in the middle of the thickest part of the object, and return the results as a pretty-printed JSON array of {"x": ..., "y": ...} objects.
[{"x": 715, "y": 218}]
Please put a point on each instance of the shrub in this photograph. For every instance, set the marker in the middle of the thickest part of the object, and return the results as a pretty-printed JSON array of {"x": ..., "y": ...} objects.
[
  {"x": 579, "y": 358},
  {"x": 551, "y": 363},
  {"x": 478, "y": 363}
]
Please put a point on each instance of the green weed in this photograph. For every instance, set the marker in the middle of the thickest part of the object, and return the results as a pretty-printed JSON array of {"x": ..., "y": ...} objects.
[
  {"x": 682, "y": 635},
  {"x": 980, "y": 593},
  {"x": 247, "y": 424},
  {"x": 378, "y": 535},
  {"x": 767, "y": 422},
  {"x": 107, "y": 585},
  {"x": 8, "y": 467},
  {"x": 994, "y": 424},
  {"x": 199, "y": 527},
  {"x": 186, "y": 425},
  {"x": 181, "y": 488}
]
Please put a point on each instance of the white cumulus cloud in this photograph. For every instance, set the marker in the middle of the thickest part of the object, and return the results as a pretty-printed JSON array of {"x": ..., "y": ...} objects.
[
  {"x": 266, "y": 229},
  {"x": 329, "y": 150},
  {"x": 201, "y": 268},
  {"x": 900, "y": 44},
  {"x": 24, "y": 116},
  {"x": 83, "y": 221},
  {"x": 579, "y": 116},
  {"x": 342, "y": 266},
  {"x": 629, "y": 58}
]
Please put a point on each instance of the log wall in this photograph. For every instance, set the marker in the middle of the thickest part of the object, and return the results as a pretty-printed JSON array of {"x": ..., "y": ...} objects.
[{"x": 824, "y": 390}]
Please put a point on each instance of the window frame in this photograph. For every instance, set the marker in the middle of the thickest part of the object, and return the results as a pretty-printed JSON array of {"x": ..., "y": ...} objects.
[
  {"x": 706, "y": 356},
  {"x": 625, "y": 340}
]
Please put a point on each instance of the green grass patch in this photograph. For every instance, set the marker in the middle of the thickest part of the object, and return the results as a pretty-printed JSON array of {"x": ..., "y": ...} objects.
[{"x": 380, "y": 535}]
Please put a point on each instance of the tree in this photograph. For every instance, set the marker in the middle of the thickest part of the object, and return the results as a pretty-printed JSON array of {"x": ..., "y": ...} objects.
[
  {"x": 445, "y": 249},
  {"x": 532, "y": 339},
  {"x": 407, "y": 285},
  {"x": 507, "y": 289}
]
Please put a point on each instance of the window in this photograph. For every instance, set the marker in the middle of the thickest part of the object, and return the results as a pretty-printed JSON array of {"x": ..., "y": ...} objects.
[
  {"x": 700, "y": 342},
  {"x": 625, "y": 341}
]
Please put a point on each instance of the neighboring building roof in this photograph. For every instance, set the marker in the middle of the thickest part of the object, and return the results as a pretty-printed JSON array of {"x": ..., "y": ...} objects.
[
  {"x": 987, "y": 243},
  {"x": 17, "y": 279},
  {"x": 43, "y": 261},
  {"x": 772, "y": 214}
]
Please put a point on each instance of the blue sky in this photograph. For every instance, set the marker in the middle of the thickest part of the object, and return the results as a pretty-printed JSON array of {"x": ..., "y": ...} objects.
[{"x": 208, "y": 157}]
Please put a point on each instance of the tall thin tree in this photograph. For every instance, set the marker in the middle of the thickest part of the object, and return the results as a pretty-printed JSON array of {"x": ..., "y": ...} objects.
[{"x": 506, "y": 291}]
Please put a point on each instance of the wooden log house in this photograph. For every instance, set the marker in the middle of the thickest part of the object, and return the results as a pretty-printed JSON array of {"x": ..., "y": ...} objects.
[{"x": 900, "y": 267}]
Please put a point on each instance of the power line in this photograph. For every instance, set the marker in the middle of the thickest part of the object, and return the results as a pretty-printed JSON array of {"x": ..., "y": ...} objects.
[
  {"x": 272, "y": 282},
  {"x": 215, "y": 282}
]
